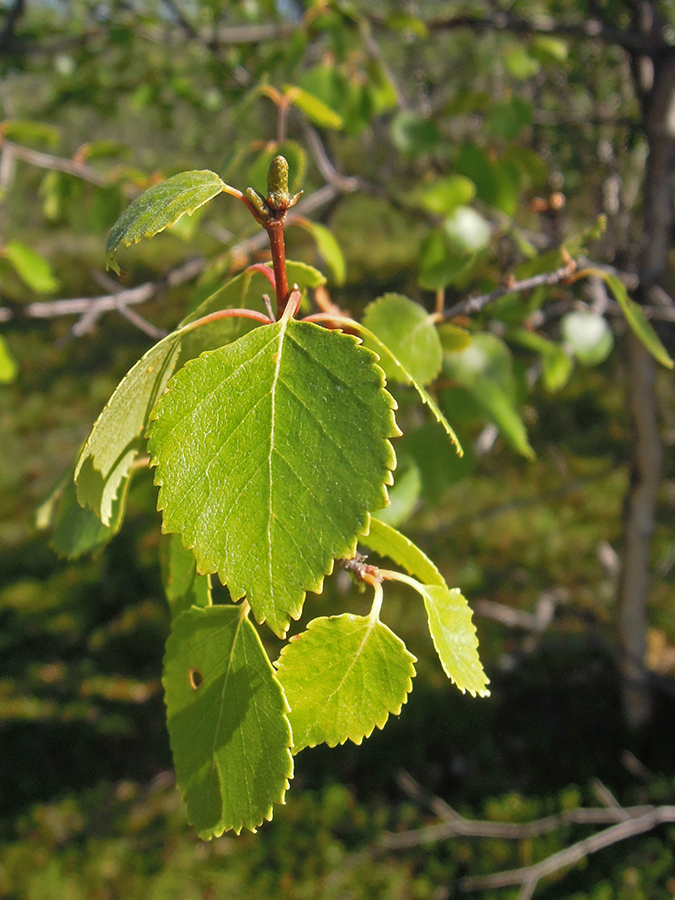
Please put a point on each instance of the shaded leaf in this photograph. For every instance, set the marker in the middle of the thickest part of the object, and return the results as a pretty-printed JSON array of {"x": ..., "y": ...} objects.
[
  {"x": 409, "y": 332},
  {"x": 555, "y": 363},
  {"x": 485, "y": 369},
  {"x": 405, "y": 377},
  {"x": 342, "y": 677},
  {"x": 183, "y": 586},
  {"x": 638, "y": 321},
  {"x": 32, "y": 268},
  {"x": 77, "y": 529},
  {"x": 328, "y": 247},
  {"x": 117, "y": 435},
  {"x": 227, "y": 720},
  {"x": 453, "y": 338},
  {"x": 443, "y": 195},
  {"x": 403, "y": 497},
  {"x": 161, "y": 206},
  {"x": 589, "y": 336},
  {"x": 291, "y": 422}
]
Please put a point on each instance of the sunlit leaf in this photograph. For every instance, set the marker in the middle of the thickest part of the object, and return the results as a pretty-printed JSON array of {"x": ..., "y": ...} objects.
[
  {"x": 291, "y": 423},
  {"x": 315, "y": 110},
  {"x": 161, "y": 206},
  {"x": 408, "y": 330},
  {"x": 9, "y": 367},
  {"x": 342, "y": 677},
  {"x": 449, "y": 615},
  {"x": 227, "y": 720}
]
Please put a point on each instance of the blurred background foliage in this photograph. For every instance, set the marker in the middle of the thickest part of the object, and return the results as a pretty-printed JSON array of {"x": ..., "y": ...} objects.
[{"x": 445, "y": 147}]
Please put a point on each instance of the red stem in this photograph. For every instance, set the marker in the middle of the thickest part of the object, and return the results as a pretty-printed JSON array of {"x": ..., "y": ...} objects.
[
  {"x": 275, "y": 232},
  {"x": 227, "y": 314}
]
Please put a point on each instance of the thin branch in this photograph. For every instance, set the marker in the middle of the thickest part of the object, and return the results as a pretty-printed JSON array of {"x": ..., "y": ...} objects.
[
  {"x": 55, "y": 163},
  {"x": 531, "y": 875},
  {"x": 325, "y": 166},
  {"x": 590, "y": 29},
  {"x": 476, "y": 304}
]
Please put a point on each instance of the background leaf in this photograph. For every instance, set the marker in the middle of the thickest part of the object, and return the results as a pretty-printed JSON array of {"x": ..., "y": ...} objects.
[
  {"x": 328, "y": 247},
  {"x": 9, "y": 367},
  {"x": 342, "y": 677},
  {"x": 408, "y": 330},
  {"x": 32, "y": 268},
  {"x": 316, "y": 110},
  {"x": 636, "y": 318},
  {"x": 227, "y": 721},
  {"x": 292, "y": 423},
  {"x": 589, "y": 336}
]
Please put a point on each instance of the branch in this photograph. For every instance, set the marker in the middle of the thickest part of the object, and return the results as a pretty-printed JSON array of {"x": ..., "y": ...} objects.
[
  {"x": 55, "y": 163},
  {"x": 476, "y": 304},
  {"x": 13, "y": 15},
  {"x": 529, "y": 876},
  {"x": 591, "y": 29}
]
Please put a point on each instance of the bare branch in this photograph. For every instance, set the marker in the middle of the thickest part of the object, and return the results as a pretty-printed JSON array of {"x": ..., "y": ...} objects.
[
  {"x": 531, "y": 875},
  {"x": 55, "y": 163},
  {"x": 476, "y": 304}
]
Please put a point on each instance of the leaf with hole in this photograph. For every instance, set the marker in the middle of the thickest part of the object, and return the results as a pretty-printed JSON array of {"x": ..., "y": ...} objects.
[
  {"x": 342, "y": 677},
  {"x": 270, "y": 454},
  {"x": 227, "y": 720}
]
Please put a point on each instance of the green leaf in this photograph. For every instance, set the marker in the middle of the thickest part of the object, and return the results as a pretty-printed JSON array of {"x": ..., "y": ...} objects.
[
  {"x": 454, "y": 637},
  {"x": 413, "y": 134},
  {"x": 315, "y": 110},
  {"x": 636, "y": 318},
  {"x": 117, "y": 435},
  {"x": 408, "y": 330},
  {"x": 449, "y": 615},
  {"x": 588, "y": 335},
  {"x": 328, "y": 247},
  {"x": 183, "y": 586},
  {"x": 9, "y": 368},
  {"x": 467, "y": 231},
  {"x": 403, "y": 497},
  {"x": 442, "y": 196},
  {"x": 453, "y": 338},
  {"x": 26, "y": 132},
  {"x": 291, "y": 423},
  {"x": 485, "y": 369},
  {"x": 342, "y": 677},
  {"x": 386, "y": 541},
  {"x": 161, "y": 206},
  {"x": 227, "y": 720},
  {"x": 77, "y": 529},
  {"x": 555, "y": 363},
  {"x": 32, "y": 268},
  {"x": 402, "y": 375}
]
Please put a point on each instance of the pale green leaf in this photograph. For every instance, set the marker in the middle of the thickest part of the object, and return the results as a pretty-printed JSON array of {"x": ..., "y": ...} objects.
[
  {"x": 404, "y": 376},
  {"x": 183, "y": 585},
  {"x": 328, "y": 247},
  {"x": 9, "y": 367},
  {"x": 117, "y": 436},
  {"x": 403, "y": 497},
  {"x": 454, "y": 637},
  {"x": 449, "y": 615},
  {"x": 588, "y": 336},
  {"x": 162, "y": 205},
  {"x": 409, "y": 332},
  {"x": 270, "y": 454},
  {"x": 227, "y": 720},
  {"x": 316, "y": 110},
  {"x": 386, "y": 541},
  {"x": 466, "y": 231},
  {"x": 342, "y": 677},
  {"x": 556, "y": 365},
  {"x": 77, "y": 529},
  {"x": 638, "y": 321},
  {"x": 32, "y": 268}
]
